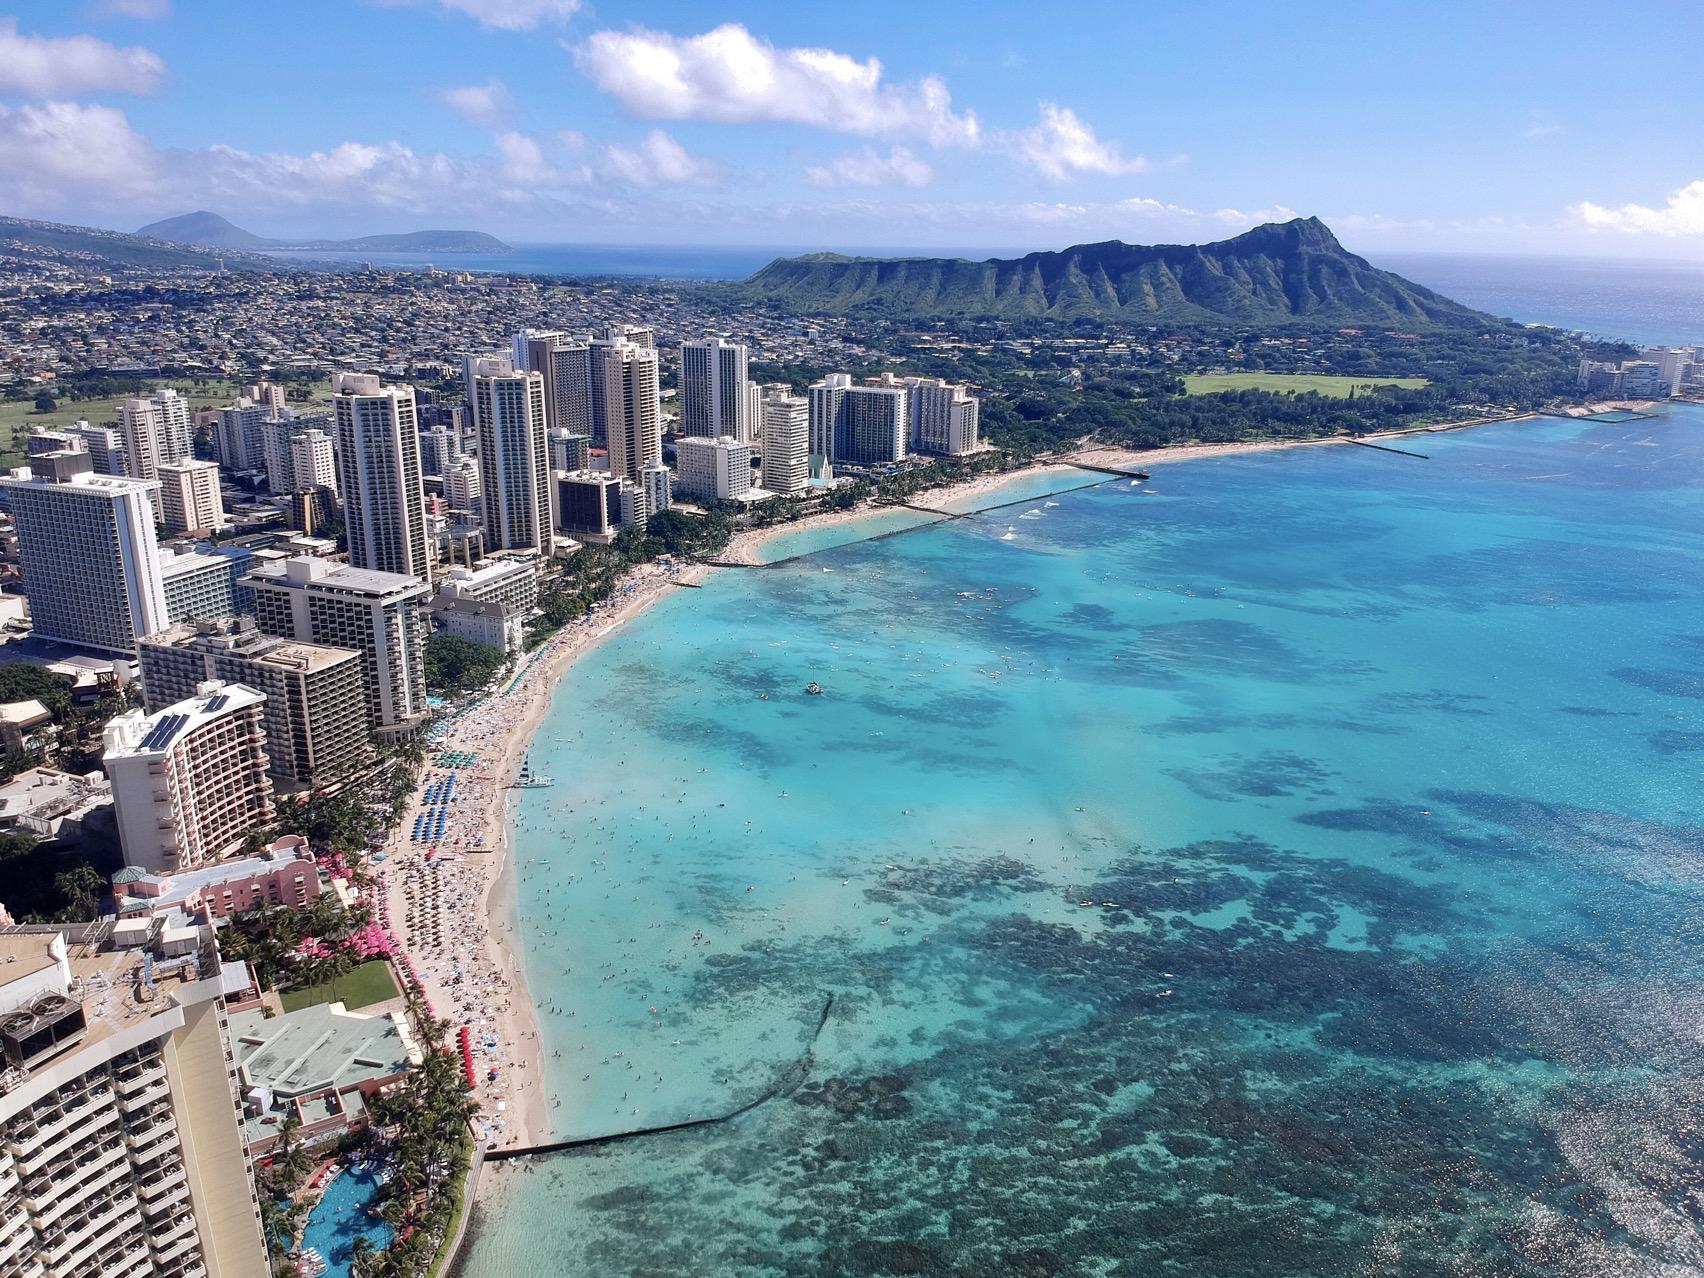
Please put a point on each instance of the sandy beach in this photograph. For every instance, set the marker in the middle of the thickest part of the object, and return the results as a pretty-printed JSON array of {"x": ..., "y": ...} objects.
[{"x": 450, "y": 901}]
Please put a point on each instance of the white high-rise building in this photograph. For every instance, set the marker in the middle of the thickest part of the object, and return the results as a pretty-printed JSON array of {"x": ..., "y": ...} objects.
[
  {"x": 825, "y": 398},
  {"x": 564, "y": 361},
  {"x": 189, "y": 782},
  {"x": 190, "y": 500},
  {"x": 867, "y": 425},
  {"x": 379, "y": 481},
  {"x": 569, "y": 450},
  {"x": 716, "y": 395},
  {"x": 239, "y": 439},
  {"x": 376, "y": 613},
  {"x": 313, "y": 461},
  {"x": 1672, "y": 364},
  {"x": 598, "y": 354},
  {"x": 657, "y": 486},
  {"x": 154, "y": 430},
  {"x": 461, "y": 484},
  {"x": 786, "y": 442},
  {"x": 944, "y": 416},
  {"x": 104, "y": 445},
  {"x": 514, "y": 462},
  {"x": 633, "y": 409},
  {"x": 713, "y": 468},
  {"x": 91, "y": 564},
  {"x": 122, "y": 1152}
]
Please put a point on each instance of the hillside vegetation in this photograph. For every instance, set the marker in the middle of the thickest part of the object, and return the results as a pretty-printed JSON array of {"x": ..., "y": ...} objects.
[{"x": 1277, "y": 273}]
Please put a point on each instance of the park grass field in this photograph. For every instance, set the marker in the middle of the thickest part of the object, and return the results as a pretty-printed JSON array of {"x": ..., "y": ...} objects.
[
  {"x": 370, "y": 983},
  {"x": 1292, "y": 383}
]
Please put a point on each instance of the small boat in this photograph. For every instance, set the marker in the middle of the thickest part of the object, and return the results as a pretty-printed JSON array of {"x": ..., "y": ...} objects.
[
  {"x": 814, "y": 688},
  {"x": 527, "y": 779}
]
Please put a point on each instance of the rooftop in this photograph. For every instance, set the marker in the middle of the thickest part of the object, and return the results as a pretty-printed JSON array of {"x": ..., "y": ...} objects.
[
  {"x": 177, "y": 887},
  {"x": 314, "y": 1048},
  {"x": 304, "y": 571},
  {"x": 135, "y": 733}
]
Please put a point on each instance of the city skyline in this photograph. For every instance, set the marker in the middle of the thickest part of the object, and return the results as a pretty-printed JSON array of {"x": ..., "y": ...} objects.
[{"x": 525, "y": 118}]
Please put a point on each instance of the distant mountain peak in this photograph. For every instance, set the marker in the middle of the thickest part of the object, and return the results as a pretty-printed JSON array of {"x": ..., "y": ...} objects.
[
  {"x": 1276, "y": 273},
  {"x": 210, "y": 230}
]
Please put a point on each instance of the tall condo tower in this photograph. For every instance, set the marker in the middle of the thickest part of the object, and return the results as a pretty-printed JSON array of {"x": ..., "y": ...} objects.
[
  {"x": 514, "y": 461},
  {"x": 631, "y": 395},
  {"x": 90, "y": 561},
  {"x": 715, "y": 393},
  {"x": 378, "y": 476},
  {"x": 154, "y": 430}
]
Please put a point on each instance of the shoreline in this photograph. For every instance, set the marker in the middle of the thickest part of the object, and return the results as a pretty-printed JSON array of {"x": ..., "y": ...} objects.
[
  {"x": 513, "y": 1111},
  {"x": 744, "y": 548},
  {"x": 457, "y": 919}
]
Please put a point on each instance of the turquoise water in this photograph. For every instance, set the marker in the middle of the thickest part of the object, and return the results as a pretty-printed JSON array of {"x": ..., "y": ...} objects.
[
  {"x": 1381, "y": 778},
  {"x": 339, "y": 1217}
]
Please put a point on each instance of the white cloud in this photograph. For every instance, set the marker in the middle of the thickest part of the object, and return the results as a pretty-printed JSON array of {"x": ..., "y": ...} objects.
[
  {"x": 387, "y": 175},
  {"x": 730, "y": 75},
  {"x": 141, "y": 10},
  {"x": 505, "y": 15},
  {"x": 54, "y": 153},
  {"x": 487, "y": 104},
  {"x": 1061, "y": 146},
  {"x": 1541, "y": 124},
  {"x": 659, "y": 160},
  {"x": 1254, "y": 217},
  {"x": 65, "y": 66},
  {"x": 1681, "y": 214},
  {"x": 899, "y": 167}
]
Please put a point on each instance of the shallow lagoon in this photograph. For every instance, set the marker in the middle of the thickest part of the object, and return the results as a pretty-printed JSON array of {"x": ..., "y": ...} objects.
[{"x": 1381, "y": 777}]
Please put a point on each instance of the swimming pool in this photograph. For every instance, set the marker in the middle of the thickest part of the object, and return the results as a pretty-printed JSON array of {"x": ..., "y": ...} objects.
[{"x": 340, "y": 1217}]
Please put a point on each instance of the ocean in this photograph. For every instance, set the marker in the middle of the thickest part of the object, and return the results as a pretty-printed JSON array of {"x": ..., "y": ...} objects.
[
  {"x": 1647, "y": 303},
  {"x": 1286, "y": 866}
]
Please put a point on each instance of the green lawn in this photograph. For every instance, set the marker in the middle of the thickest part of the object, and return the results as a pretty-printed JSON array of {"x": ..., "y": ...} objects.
[
  {"x": 369, "y": 983},
  {"x": 1295, "y": 383}
]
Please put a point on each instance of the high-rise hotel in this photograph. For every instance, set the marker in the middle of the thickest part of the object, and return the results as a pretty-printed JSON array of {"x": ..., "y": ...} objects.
[
  {"x": 379, "y": 482},
  {"x": 717, "y": 398},
  {"x": 633, "y": 409},
  {"x": 515, "y": 498},
  {"x": 121, "y": 1148},
  {"x": 90, "y": 561}
]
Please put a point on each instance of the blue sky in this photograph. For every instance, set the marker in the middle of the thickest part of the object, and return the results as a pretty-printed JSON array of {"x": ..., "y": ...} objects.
[{"x": 1495, "y": 126}]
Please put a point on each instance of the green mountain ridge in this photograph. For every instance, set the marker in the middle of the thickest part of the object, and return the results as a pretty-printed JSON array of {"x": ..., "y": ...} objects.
[
  {"x": 1280, "y": 272},
  {"x": 31, "y": 240},
  {"x": 209, "y": 230}
]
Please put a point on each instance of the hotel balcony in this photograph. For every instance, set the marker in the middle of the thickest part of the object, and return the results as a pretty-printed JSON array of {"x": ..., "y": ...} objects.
[
  {"x": 17, "y": 1240},
  {"x": 133, "y": 1262},
  {"x": 50, "y": 1143},
  {"x": 69, "y": 1176},
  {"x": 67, "y": 1210},
  {"x": 177, "y": 1247},
  {"x": 158, "y": 1138},
  {"x": 132, "y": 1077},
  {"x": 62, "y": 1246},
  {"x": 145, "y": 1095},
  {"x": 154, "y": 1191}
]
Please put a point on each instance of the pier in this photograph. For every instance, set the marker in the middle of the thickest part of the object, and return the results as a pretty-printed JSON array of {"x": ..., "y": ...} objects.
[
  {"x": 1385, "y": 448},
  {"x": 795, "y": 1076}
]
